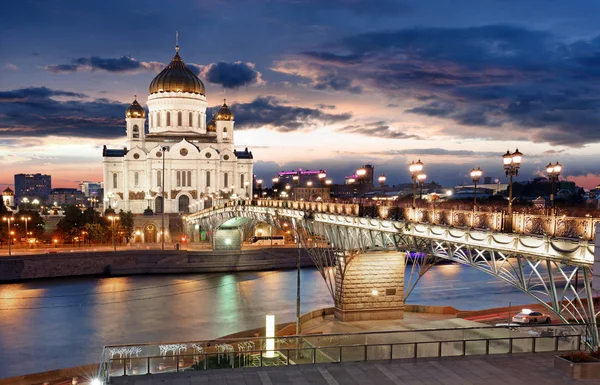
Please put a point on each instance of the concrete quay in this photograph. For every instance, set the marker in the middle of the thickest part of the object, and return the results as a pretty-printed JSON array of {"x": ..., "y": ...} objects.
[{"x": 139, "y": 261}]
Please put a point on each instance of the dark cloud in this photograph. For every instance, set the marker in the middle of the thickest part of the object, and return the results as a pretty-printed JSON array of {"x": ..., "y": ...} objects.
[
  {"x": 271, "y": 112},
  {"x": 116, "y": 65},
  {"x": 326, "y": 106},
  {"x": 33, "y": 112},
  {"x": 377, "y": 129},
  {"x": 439, "y": 151},
  {"x": 528, "y": 82},
  {"x": 229, "y": 75}
]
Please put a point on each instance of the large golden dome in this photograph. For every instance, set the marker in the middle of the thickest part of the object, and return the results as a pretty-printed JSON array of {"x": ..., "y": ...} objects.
[
  {"x": 224, "y": 112},
  {"x": 135, "y": 110},
  {"x": 177, "y": 77}
]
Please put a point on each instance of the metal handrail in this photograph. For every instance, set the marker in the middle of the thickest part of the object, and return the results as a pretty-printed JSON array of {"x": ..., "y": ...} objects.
[{"x": 365, "y": 356}]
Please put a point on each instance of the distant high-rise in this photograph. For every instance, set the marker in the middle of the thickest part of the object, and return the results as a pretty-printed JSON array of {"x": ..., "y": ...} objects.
[
  {"x": 32, "y": 186},
  {"x": 90, "y": 188}
]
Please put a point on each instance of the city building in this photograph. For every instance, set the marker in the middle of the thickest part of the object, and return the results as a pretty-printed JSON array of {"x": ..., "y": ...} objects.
[
  {"x": 66, "y": 197},
  {"x": 8, "y": 197},
  {"x": 198, "y": 163},
  {"x": 311, "y": 193},
  {"x": 32, "y": 186},
  {"x": 90, "y": 188}
]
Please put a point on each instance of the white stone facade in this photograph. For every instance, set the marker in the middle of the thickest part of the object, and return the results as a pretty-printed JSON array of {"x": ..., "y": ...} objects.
[{"x": 199, "y": 164}]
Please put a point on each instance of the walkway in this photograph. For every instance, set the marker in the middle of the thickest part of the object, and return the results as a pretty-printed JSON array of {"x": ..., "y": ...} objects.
[{"x": 489, "y": 370}]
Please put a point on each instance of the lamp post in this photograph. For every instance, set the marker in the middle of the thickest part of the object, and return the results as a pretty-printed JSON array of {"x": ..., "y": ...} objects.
[
  {"x": 35, "y": 203},
  {"x": 415, "y": 169},
  {"x": 109, "y": 195},
  {"x": 322, "y": 175},
  {"x": 259, "y": 183},
  {"x": 162, "y": 195},
  {"x": 553, "y": 171},
  {"x": 421, "y": 178},
  {"x": 8, "y": 220},
  {"x": 512, "y": 163},
  {"x": 296, "y": 180},
  {"x": 26, "y": 219},
  {"x": 25, "y": 200},
  {"x": 287, "y": 189},
  {"x": 113, "y": 219},
  {"x": 476, "y": 174},
  {"x": 381, "y": 180}
]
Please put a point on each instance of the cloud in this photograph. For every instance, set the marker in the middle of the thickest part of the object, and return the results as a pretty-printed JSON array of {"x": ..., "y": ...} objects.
[
  {"x": 273, "y": 113},
  {"x": 377, "y": 129},
  {"x": 123, "y": 64},
  {"x": 11, "y": 67},
  {"x": 34, "y": 112},
  {"x": 529, "y": 83},
  {"x": 229, "y": 75}
]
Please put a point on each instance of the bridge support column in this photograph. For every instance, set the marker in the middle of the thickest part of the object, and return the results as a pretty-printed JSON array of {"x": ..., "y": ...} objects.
[{"x": 372, "y": 287}]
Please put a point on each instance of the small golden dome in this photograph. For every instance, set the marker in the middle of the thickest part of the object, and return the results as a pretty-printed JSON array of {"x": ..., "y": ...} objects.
[
  {"x": 8, "y": 192},
  {"x": 224, "y": 113},
  {"x": 177, "y": 77},
  {"x": 135, "y": 110},
  {"x": 212, "y": 125}
]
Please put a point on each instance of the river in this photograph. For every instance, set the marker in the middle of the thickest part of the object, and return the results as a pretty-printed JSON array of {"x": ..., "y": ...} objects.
[{"x": 56, "y": 323}]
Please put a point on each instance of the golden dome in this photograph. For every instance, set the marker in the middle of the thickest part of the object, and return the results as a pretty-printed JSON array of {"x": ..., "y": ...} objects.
[
  {"x": 212, "y": 125},
  {"x": 135, "y": 110},
  {"x": 7, "y": 191},
  {"x": 177, "y": 77},
  {"x": 224, "y": 113}
]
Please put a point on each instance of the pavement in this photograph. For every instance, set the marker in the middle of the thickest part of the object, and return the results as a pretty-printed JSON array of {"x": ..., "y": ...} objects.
[{"x": 515, "y": 369}]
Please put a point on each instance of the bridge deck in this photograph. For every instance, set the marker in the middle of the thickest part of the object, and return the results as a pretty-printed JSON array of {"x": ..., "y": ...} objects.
[{"x": 515, "y": 369}]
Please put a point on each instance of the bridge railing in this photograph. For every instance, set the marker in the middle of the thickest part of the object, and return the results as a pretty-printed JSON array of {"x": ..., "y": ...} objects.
[{"x": 552, "y": 225}]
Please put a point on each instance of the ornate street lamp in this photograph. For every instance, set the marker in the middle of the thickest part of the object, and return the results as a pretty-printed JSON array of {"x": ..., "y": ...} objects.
[
  {"x": 259, "y": 183},
  {"x": 415, "y": 169},
  {"x": 26, "y": 220},
  {"x": 421, "y": 178},
  {"x": 512, "y": 163},
  {"x": 113, "y": 219},
  {"x": 553, "y": 171},
  {"x": 296, "y": 179},
  {"x": 381, "y": 181},
  {"x": 322, "y": 175},
  {"x": 25, "y": 200},
  {"x": 476, "y": 174}
]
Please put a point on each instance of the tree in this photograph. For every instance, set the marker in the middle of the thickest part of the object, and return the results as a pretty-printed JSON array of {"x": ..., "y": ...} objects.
[
  {"x": 72, "y": 224},
  {"x": 126, "y": 221}
]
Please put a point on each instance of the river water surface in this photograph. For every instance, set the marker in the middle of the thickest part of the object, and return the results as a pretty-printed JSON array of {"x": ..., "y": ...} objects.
[{"x": 57, "y": 323}]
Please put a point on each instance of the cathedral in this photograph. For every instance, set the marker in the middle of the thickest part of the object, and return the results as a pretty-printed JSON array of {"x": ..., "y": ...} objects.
[{"x": 180, "y": 162}]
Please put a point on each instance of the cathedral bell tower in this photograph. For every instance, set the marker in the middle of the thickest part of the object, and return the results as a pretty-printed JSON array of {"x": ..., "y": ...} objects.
[
  {"x": 135, "y": 115},
  {"x": 224, "y": 124}
]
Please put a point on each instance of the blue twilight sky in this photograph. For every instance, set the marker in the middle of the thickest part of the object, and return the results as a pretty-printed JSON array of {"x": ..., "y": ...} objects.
[{"x": 313, "y": 84}]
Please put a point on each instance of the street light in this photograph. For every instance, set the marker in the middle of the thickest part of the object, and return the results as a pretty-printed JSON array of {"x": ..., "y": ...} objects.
[
  {"x": 421, "y": 178},
  {"x": 328, "y": 182},
  {"x": 26, "y": 219},
  {"x": 113, "y": 219},
  {"x": 296, "y": 180},
  {"x": 259, "y": 183},
  {"x": 553, "y": 171},
  {"x": 322, "y": 175},
  {"x": 8, "y": 220},
  {"x": 476, "y": 174},
  {"x": 381, "y": 180},
  {"x": 415, "y": 169},
  {"x": 35, "y": 202},
  {"x": 25, "y": 200},
  {"x": 512, "y": 163}
]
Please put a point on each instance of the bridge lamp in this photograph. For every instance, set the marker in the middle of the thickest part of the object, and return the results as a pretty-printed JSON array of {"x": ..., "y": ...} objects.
[
  {"x": 415, "y": 169},
  {"x": 361, "y": 172},
  {"x": 228, "y": 241},
  {"x": 96, "y": 381},
  {"x": 421, "y": 178},
  {"x": 322, "y": 175},
  {"x": 275, "y": 180},
  {"x": 476, "y": 174},
  {"x": 328, "y": 182},
  {"x": 553, "y": 171},
  {"x": 381, "y": 180},
  {"x": 309, "y": 183},
  {"x": 512, "y": 163},
  {"x": 351, "y": 180}
]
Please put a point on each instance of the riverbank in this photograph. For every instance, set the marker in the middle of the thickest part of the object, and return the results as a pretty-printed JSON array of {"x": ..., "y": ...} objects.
[{"x": 131, "y": 262}]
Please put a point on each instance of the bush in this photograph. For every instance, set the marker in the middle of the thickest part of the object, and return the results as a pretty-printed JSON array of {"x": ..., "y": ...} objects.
[{"x": 579, "y": 357}]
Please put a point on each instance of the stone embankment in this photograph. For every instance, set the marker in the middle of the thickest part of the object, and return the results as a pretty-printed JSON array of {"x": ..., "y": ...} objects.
[{"x": 148, "y": 262}]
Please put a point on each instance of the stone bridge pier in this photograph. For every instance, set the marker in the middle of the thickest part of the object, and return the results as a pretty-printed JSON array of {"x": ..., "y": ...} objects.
[{"x": 370, "y": 286}]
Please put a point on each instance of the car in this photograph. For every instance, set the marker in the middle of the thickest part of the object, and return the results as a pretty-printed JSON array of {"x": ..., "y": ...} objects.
[{"x": 527, "y": 316}]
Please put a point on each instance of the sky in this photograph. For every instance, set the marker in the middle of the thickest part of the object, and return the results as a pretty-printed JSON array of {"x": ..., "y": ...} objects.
[{"x": 313, "y": 84}]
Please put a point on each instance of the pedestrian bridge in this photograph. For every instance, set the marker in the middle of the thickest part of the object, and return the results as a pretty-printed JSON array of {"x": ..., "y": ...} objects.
[{"x": 358, "y": 258}]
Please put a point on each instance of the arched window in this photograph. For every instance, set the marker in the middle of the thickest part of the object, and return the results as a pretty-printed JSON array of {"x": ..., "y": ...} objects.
[
  {"x": 199, "y": 120},
  {"x": 225, "y": 180},
  {"x": 189, "y": 178},
  {"x": 158, "y": 178},
  {"x": 184, "y": 204},
  {"x": 179, "y": 119},
  {"x": 208, "y": 179},
  {"x": 168, "y": 118},
  {"x": 190, "y": 120},
  {"x": 136, "y": 131},
  {"x": 242, "y": 181},
  {"x": 224, "y": 132},
  {"x": 136, "y": 179},
  {"x": 158, "y": 205},
  {"x": 178, "y": 178},
  {"x": 183, "y": 178},
  {"x": 115, "y": 180},
  {"x": 150, "y": 121}
]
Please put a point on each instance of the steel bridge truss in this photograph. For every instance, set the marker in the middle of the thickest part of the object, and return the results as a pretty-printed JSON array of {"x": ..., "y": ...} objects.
[{"x": 560, "y": 285}]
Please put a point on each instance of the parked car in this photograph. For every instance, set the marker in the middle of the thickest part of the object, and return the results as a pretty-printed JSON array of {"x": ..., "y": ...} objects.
[{"x": 527, "y": 316}]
